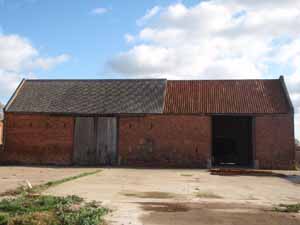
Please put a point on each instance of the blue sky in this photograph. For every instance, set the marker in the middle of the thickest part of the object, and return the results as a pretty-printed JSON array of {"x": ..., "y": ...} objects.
[
  {"x": 62, "y": 26},
  {"x": 188, "y": 39}
]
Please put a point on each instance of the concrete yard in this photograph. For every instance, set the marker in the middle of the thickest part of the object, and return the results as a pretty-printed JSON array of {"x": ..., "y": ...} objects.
[
  {"x": 172, "y": 196},
  {"x": 164, "y": 196}
]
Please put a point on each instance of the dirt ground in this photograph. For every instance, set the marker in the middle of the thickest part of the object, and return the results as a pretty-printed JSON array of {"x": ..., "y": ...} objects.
[
  {"x": 13, "y": 176},
  {"x": 156, "y": 197}
]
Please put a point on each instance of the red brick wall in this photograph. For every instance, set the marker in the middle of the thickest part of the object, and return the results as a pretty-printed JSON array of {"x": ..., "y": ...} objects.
[
  {"x": 298, "y": 156},
  {"x": 160, "y": 140},
  {"x": 274, "y": 145},
  {"x": 38, "y": 139},
  {"x": 1, "y": 132},
  {"x": 165, "y": 140}
]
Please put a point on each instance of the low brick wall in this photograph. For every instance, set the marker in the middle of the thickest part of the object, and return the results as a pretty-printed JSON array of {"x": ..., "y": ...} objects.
[
  {"x": 38, "y": 139},
  {"x": 165, "y": 141}
]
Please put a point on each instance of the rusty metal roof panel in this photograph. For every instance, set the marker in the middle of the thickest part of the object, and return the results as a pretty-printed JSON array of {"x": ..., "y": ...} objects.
[{"x": 225, "y": 96}]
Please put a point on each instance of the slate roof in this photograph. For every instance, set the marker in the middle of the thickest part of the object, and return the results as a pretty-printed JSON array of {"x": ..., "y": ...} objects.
[
  {"x": 151, "y": 97},
  {"x": 89, "y": 96},
  {"x": 226, "y": 96}
]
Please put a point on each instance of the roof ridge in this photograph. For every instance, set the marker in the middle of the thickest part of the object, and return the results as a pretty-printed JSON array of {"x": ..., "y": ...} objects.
[
  {"x": 33, "y": 80},
  {"x": 273, "y": 79},
  {"x": 146, "y": 79}
]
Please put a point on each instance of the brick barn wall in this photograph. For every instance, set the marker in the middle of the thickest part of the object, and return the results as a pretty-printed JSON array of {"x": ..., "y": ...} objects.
[
  {"x": 274, "y": 142},
  {"x": 298, "y": 156},
  {"x": 38, "y": 139},
  {"x": 165, "y": 141},
  {"x": 1, "y": 132}
]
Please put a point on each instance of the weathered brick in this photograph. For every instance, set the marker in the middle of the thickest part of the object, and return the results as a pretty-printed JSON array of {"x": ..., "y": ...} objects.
[
  {"x": 165, "y": 141},
  {"x": 38, "y": 139},
  {"x": 274, "y": 145},
  {"x": 151, "y": 140}
]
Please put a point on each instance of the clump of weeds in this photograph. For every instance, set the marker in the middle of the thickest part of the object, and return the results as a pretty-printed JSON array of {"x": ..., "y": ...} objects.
[
  {"x": 288, "y": 208},
  {"x": 207, "y": 194},
  {"x": 50, "y": 210}
]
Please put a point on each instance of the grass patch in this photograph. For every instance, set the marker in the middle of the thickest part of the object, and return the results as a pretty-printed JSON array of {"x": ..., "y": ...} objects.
[
  {"x": 45, "y": 186},
  {"x": 288, "y": 208},
  {"x": 50, "y": 210},
  {"x": 207, "y": 195},
  {"x": 150, "y": 194}
]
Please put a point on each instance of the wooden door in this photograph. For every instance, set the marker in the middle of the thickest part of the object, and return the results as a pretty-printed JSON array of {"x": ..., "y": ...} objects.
[
  {"x": 84, "y": 141},
  {"x": 95, "y": 141},
  {"x": 106, "y": 151}
]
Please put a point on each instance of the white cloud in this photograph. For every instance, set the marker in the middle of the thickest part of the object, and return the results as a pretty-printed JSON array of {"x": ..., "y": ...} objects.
[
  {"x": 217, "y": 39},
  {"x": 50, "y": 62},
  {"x": 150, "y": 13},
  {"x": 210, "y": 33},
  {"x": 289, "y": 56},
  {"x": 99, "y": 11},
  {"x": 8, "y": 81},
  {"x": 15, "y": 52},
  {"x": 18, "y": 59},
  {"x": 129, "y": 38}
]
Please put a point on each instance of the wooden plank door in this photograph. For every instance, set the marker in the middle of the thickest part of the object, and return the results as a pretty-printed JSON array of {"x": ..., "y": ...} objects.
[
  {"x": 107, "y": 140},
  {"x": 84, "y": 141},
  {"x": 95, "y": 141}
]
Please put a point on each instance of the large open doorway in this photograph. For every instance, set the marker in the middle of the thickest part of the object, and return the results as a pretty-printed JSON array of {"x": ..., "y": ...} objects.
[{"x": 232, "y": 141}]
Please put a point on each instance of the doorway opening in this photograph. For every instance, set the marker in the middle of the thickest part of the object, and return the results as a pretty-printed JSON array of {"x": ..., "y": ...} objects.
[{"x": 232, "y": 141}]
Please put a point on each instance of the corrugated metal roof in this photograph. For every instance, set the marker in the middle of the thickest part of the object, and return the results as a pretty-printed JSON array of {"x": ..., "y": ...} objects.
[
  {"x": 89, "y": 96},
  {"x": 225, "y": 96}
]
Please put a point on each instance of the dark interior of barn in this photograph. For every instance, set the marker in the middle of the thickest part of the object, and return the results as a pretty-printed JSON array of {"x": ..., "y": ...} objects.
[{"x": 232, "y": 141}]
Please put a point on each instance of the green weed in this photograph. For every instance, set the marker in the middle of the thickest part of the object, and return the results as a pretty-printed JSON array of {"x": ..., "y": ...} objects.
[
  {"x": 42, "y": 187},
  {"x": 288, "y": 208},
  {"x": 207, "y": 195},
  {"x": 50, "y": 210}
]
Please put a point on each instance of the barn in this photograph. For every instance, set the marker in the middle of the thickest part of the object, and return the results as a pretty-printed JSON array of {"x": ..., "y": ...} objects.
[{"x": 150, "y": 123}]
